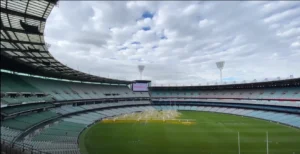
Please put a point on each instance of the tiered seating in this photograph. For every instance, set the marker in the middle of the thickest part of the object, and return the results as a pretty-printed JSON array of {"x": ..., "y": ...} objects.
[
  {"x": 267, "y": 93},
  {"x": 62, "y": 90},
  {"x": 72, "y": 109},
  {"x": 9, "y": 134},
  {"x": 284, "y": 118},
  {"x": 61, "y": 137},
  {"x": 23, "y": 99},
  {"x": 49, "y": 146},
  {"x": 262, "y": 102},
  {"x": 17, "y": 109},
  {"x": 64, "y": 131},
  {"x": 24, "y": 89},
  {"x": 79, "y": 119},
  {"x": 16, "y": 90},
  {"x": 54, "y": 138},
  {"x": 26, "y": 121},
  {"x": 14, "y": 83}
]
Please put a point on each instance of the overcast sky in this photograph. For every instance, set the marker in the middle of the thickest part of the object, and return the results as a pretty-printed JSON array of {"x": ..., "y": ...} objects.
[{"x": 178, "y": 42}]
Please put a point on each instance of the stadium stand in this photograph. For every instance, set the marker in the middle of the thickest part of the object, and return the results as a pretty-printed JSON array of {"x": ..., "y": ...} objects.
[
  {"x": 45, "y": 105},
  {"x": 25, "y": 89},
  {"x": 24, "y": 108},
  {"x": 26, "y": 121},
  {"x": 61, "y": 136},
  {"x": 283, "y": 93},
  {"x": 57, "y": 122},
  {"x": 284, "y": 118},
  {"x": 9, "y": 134},
  {"x": 286, "y": 93}
]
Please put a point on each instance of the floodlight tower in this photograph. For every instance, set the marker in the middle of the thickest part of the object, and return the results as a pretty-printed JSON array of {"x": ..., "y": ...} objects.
[
  {"x": 141, "y": 69},
  {"x": 220, "y": 66}
]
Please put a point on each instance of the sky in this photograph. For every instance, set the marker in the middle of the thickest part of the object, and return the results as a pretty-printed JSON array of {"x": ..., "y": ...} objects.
[{"x": 178, "y": 42}]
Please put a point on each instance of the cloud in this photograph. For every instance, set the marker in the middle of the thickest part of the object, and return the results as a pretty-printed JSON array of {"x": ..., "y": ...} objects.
[
  {"x": 205, "y": 23},
  {"x": 295, "y": 44},
  {"x": 178, "y": 42}
]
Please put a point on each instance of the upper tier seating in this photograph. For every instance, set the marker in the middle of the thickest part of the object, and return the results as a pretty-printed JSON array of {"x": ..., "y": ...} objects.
[
  {"x": 231, "y": 101},
  {"x": 17, "y": 109},
  {"x": 15, "y": 83},
  {"x": 26, "y": 121},
  {"x": 22, "y": 99},
  {"x": 24, "y": 89},
  {"x": 292, "y": 93}
]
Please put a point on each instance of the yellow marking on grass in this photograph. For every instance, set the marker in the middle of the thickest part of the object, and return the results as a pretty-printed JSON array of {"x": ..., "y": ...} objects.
[{"x": 152, "y": 116}]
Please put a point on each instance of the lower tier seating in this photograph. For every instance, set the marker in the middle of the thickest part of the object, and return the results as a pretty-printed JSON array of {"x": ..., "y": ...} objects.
[
  {"x": 9, "y": 134},
  {"x": 61, "y": 136},
  {"x": 67, "y": 130},
  {"x": 284, "y": 118}
]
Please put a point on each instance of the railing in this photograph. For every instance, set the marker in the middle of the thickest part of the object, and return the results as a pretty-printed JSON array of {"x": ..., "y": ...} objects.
[{"x": 9, "y": 147}]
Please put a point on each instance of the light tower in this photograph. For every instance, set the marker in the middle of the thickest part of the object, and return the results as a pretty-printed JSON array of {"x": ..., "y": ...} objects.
[
  {"x": 141, "y": 69},
  {"x": 220, "y": 66}
]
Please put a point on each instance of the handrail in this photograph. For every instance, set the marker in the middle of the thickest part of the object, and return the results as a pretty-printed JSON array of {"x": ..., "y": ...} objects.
[
  {"x": 27, "y": 131},
  {"x": 237, "y": 98},
  {"x": 21, "y": 146},
  {"x": 81, "y": 100}
]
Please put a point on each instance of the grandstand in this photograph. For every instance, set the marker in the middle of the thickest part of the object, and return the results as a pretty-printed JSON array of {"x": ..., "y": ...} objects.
[
  {"x": 23, "y": 89},
  {"x": 45, "y": 105},
  {"x": 279, "y": 95}
]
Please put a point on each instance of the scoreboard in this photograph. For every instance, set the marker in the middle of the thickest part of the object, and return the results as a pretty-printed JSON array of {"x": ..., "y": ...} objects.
[{"x": 140, "y": 86}]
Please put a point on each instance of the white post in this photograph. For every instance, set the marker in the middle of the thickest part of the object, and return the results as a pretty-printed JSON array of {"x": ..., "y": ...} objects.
[
  {"x": 267, "y": 142},
  {"x": 239, "y": 145}
]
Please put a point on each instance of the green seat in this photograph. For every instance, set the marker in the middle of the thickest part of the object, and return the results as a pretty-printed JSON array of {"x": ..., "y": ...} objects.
[{"x": 25, "y": 121}]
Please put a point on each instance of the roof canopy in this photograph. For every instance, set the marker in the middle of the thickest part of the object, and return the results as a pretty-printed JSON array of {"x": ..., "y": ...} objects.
[
  {"x": 268, "y": 84},
  {"x": 23, "y": 48}
]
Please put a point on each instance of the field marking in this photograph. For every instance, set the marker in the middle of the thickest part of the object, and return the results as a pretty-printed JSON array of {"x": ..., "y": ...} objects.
[{"x": 138, "y": 141}]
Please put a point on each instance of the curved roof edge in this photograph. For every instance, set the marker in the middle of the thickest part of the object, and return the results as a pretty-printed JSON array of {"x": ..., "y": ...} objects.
[
  {"x": 267, "y": 84},
  {"x": 23, "y": 48}
]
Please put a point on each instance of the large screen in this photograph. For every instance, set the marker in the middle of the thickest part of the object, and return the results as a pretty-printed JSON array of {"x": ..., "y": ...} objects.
[{"x": 140, "y": 86}]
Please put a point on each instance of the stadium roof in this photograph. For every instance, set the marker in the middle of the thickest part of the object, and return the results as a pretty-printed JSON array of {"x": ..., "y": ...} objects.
[
  {"x": 267, "y": 84},
  {"x": 23, "y": 48}
]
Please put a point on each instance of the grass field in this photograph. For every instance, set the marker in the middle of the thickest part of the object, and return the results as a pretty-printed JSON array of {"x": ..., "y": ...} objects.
[{"x": 211, "y": 134}]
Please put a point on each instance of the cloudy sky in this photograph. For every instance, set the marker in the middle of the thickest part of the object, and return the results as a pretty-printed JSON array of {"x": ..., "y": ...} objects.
[{"x": 178, "y": 42}]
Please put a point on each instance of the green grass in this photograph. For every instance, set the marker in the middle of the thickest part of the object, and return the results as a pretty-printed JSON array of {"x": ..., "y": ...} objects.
[
  {"x": 81, "y": 141},
  {"x": 212, "y": 134}
]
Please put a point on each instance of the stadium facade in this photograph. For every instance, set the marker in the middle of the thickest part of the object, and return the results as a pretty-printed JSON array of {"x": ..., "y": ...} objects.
[{"x": 45, "y": 105}]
